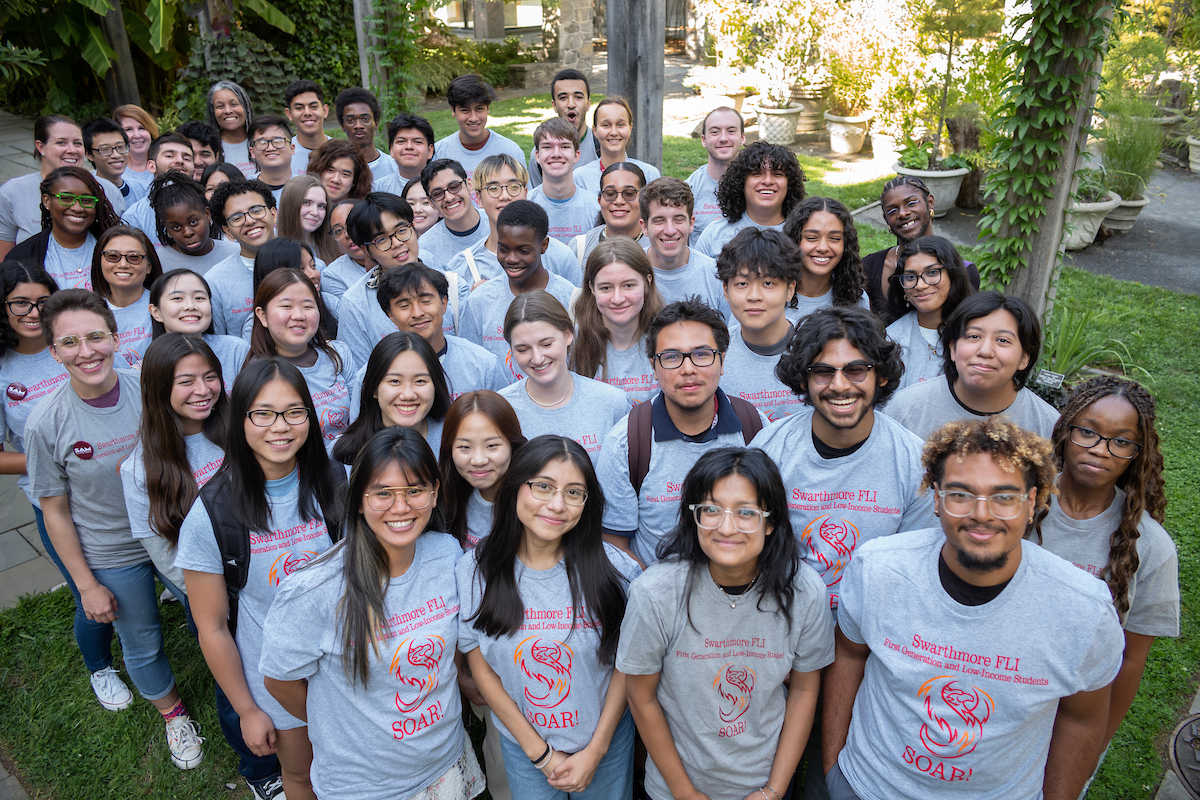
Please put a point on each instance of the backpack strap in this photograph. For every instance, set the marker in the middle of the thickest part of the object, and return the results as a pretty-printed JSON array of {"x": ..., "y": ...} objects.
[
  {"x": 581, "y": 248},
  {"x": 747, "y": 414},
  {"x": 640, "y": 432},
  {"x": 233, "y": 540},
  {"x": 471, "y": 265},
  {"x": 453, "y": 278}
]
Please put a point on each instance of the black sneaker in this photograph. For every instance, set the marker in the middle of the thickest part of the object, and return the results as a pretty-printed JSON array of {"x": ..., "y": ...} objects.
[
  {"x": 268, "y": 789},
  {"x": 1184, "y": 749}
]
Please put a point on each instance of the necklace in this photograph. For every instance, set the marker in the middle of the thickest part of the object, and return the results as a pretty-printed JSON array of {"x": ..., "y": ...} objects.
[
  {"x": 734, "y": 600},
  {"x": 548, "y": 405}
]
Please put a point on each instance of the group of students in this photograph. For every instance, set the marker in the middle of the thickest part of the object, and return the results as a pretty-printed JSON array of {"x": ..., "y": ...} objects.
[{"x": 604, "y": 459}]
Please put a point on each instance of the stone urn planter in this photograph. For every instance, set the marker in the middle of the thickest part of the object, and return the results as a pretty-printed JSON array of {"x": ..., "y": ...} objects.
[
  {"x": 884, "y": 147},
  {"x": 719, "y": 98},
  {"x": 1121, "y": 218},
  {"x": 943, "y": 184},
  {"x": 1193, "y": 153},
  {"x": 847, "y": 134},
  {"x": 1083, "y": 220},
  {"x": 778, "y": 125},
  {"x": 812, "y": 100}
]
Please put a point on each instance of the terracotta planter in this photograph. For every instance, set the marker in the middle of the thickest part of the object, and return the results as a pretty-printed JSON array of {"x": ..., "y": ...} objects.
[
  {"x": 1193, "y": 153},
  {"x": 943, "y": 185},
  {"x": 778, "y": 125},
  {"x": 1083, "y": 220},
  {"x": 847, "y": 134},
  {"x": 1121, "y": 218},
  {"x": 812, "y": 101}
]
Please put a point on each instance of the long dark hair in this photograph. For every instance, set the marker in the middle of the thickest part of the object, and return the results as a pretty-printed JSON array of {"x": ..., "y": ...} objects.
[
  {"x": 170, "y": 484},
  {"x": 284, "y": 253},
  {"x": 779, "y": 561},
  {"x": 1142, "y": 480},
  {"x": 948, "y": 259},
  {"x": 105, "y": 216},
  {"x": 595, "y": 583},
  {"x": 455, "y": 489},
  {"x": 366, "y": 567},
  {"x": 13, "y": 273},
  {"x": 153, "y": 265},
  {"x": 261, "y": 342},
  {"x": 248, "y": 495},
  {"x": 847, "y": 276},
  {"x": 370, "y": 418},
  {"x": 159, "y": 288}
]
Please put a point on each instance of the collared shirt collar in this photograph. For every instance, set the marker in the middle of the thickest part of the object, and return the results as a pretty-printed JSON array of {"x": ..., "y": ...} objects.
[{"x": 664, "y": 426}]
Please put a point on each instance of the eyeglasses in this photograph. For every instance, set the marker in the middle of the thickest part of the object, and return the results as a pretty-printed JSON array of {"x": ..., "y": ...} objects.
[
  {"x": 700, "y": 357},
  {"x": 541, "y": 490},
  {"x": 415, "y": 497},
  {"x": 746, "y": 520},
  {"x": 265, "y": 418},
  {"x": 22, "y": 307},
  {"x": 496, "y": 189},
  {"x": 337, "y": 231},
  {"x": 822, "y": 374},
  {"x": 68, "y": 345},
  {"x": 908, "y": 280},
  {"x": 628, "y": 194},
  {"x": 1004, "y": 505},
  {"x": 106, "y": 150},
  {"x": 451, "y": 188},
  {"x": 1088, "y": 438},
  {"x": 276, "y": 142},
  {"x": 361, "y": 119},
  {"x": 401, "y": 234},
  {"x": 254, "y": 212},
  {"x": 114, "y": 257},
  {"x": 68, "y": 199}
]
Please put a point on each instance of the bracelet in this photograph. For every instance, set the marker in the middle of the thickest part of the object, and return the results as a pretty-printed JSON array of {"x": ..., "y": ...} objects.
[
  {"x": 764, "y": 794},
  {"x": 772, "y": 788},
  {"x": 544, "y": 761},
  {"x": 542, "y": 757}
]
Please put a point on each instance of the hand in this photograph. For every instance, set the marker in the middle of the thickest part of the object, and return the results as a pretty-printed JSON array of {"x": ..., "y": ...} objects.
[
  {"x": 468, "y": 687},
  {"x": 478, "y": 283},
  {"x": 575, "y": 772},
  {"x": 556, "y": 758},
  {"x": 258, "y": 732},
  {"x": 99, "y": 603}
]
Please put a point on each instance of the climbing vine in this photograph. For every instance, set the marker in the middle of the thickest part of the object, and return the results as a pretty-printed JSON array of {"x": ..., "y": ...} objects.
[{"x": 1057, "y": 58}]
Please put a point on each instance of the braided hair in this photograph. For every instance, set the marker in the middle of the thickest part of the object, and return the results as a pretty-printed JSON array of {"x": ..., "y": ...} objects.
[
  {"x": 1142, "y": 481},
  {"x": 171, "y": 190},
  {"x": 105, "y": 216}
]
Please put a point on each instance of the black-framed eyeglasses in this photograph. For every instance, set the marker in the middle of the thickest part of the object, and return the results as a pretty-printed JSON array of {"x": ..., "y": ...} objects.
[
  {"x": 628, "y": 194},
  {"x": 908, "y": 280},
  {"x": 415, "y": 497},
  {"x": 274, "y": 142},
  {"x": 116, "y": 257},
  {"x": 361, "y": 119},
  {"x": 108, "y": 150},
  {"x": 544, "y": 491},
  {"x": 22, "y": 307},
  {"x": 265, "y": 418},
  {"x": 822, "y": 374},
  {"x": 1088, "y": 438},
  {"x": 700, "y": 357},
  {"x": 384, "y": 243},
  {"x": 1003, "y": 505},
  {"x": 68, "y": 199},
  {"x": 453, "y": 187},
  {"x": 254, "y": 212},
  {"x": 496, "y": 189}
]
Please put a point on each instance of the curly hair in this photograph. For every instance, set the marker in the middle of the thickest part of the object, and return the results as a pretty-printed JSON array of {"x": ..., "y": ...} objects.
[
  {"x": 847, "y": 277},
  {"x": 105, "y": 216},
  {"x": 323, "y": 157},
  {"x": 856, "y": 325},
  {"x": 731, "y": 192},
  {"x": 1142, "y": 480},
  {"x": 1011, "y": 446}
]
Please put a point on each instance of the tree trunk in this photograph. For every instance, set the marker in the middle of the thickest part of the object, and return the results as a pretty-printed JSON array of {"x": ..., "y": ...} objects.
[
  {"x": 636, "y": 45},
  {"x": 120, "y": 81},
  {"x": 937, "y": 135},
  {"x": 362, "y": 10},
  {"x": 964, "y": 137}
]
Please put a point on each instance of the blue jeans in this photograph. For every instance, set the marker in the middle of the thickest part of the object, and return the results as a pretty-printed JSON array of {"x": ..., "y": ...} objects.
[
  {"x": 613, "y": 779},
  {"x": 93, "y": 638},
  {"x": 253, "y": 768},
  {"x": 139, "y": 627}
]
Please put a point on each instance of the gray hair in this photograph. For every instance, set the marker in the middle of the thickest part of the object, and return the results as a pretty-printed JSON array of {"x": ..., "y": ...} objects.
[{"x": 242, "y": 97}]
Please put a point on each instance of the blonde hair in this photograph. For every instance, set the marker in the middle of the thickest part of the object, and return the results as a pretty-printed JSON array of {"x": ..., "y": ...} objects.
[
  {"x": 490, "y": 167},
  {"x": 138, "y": 113}
]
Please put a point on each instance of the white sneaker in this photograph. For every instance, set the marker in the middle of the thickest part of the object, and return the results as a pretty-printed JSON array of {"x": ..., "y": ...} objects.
[
  {"x": 269, "y": 789},
  {"x": 183, "y": 740},
  {"x": 110, "y": 690},
  {"x": 167, "y": 596}
]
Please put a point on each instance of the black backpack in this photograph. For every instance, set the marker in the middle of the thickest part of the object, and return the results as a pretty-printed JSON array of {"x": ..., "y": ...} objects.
[{"x": 233, "y": 538}]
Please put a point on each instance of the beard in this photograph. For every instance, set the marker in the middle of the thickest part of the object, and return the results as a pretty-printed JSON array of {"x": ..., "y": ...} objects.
[{"x": 973, "y": 563}]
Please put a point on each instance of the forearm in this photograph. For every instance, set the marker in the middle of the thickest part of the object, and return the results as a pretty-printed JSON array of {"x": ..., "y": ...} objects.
[
  {"x": 504, "y": 707},
  {"x": 292, "y": 695},
  {"x": 225, "y": 662},
  {"x": 56, "y": 514},
  {"x": 12, "y": 463},
  {"x": 622, "y": 543},
  {"x": 1125, "y": 687},
  {"x": 1075, "y": 746},
  {"x": 610, "y": 715},
  {"x": 656, "y": 733},
  {"x": 841, "y": 681},
  {"x": 797, "y": 724}
]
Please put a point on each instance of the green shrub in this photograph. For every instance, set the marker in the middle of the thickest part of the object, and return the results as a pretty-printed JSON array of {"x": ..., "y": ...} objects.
[{"x": 244, "y": 58}]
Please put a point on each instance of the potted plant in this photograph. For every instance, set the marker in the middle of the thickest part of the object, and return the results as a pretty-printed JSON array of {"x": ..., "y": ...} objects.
[
  {"x": 1193, "y": 144},
  {"x": 778, "y": 116},
  {"x": 846, "y": 117},
  {"x": 942, "y": 176},
  {"x": 809, "y": 92},
  {"x": 784, "y": 49},
  {"x": 1092, "y": 201},
  {"x": 721, "y": 85},
  {"x": 1132, "y": 145}
]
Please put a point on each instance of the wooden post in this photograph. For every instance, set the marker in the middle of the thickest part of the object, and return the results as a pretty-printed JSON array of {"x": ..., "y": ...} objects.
[
  {"x": 636, "y": 43},
  {"x": 489, "y": 19},
  {"x": 120, "y": 81},
  {"x": 362, "y": 10}
]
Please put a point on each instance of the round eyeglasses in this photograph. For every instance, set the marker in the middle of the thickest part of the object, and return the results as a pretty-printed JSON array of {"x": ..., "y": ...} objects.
[
  {"x": 709, "y": 517},
  {"x": 383, "y": 498},
  {"x": 1003, "y": 505}
]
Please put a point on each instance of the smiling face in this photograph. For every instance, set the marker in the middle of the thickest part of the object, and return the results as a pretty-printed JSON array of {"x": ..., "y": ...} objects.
[
  {"x": 765, "y": 190},
  {"x": 89, "y": 366},
  {"x": 472, "y": 122},
  {"x": 519, "y": 252},
  {"x": 722, "y": 136},
  {"x": 613, "y": 130},
  {"x": 229, "y": 111},
  {"x": 400, "y": 252},
  {"x": 923, "y": 297},
  {"x": 308, "y": 265},
  {"x": 688, "y": 387},
  {"x": 556, "y": 157},
  {"x": 758, "y": 301},
  {"x": 337, "y": 227},
  {"x": 411, "y": 151},
  {"x": 540, "y": 350},
  {"x": 122, "y": 275},
  {"x": 406, "y": 392},
  {"x": 907, "y": 213},
  {"x": 359, "y": 123},
  {"x": 492, "y": 206},
  {"x": 822, "y": 244},
  {"x": 28, "y": 327},
  {"x": 1094, "y": 467},
  {"x": 112, "y": 165},
  {"x": 731, "y": 552},
  {"x": 63, "y": 146},
  {"x": 989, "y": 354},
  {"x": 173, "y": 156},
  {"x": 307, "y": 113},
  {"x": 571, "y": 102},
  {"x": 202, "y": 156},
  {"x": 250, "y": 233},
  {"x": 668, "y": 229},
  {"x": 194, "y": 392},
  {"x": 272, "y": 157},
  {"x": 184, "y": 306},
  {"x": 188, "y": 227},
  {"x": 547, "y": 521},
  {"x": 425, "y": 215},
  {"x": 74, "y": 220},
  {"x": 620, "y": 214},
  {"x": 292, "y": 318},
  {"x": 481, "y": 453},
  {"x": 312, "y": 209},
  {"x": 980, "y": 547},
  {"x": 214, "y": 180},
  {"x": 620, "y": 293},
  {"x": 454, "y": 205},
  {"x": 338, "y": 179},
  {"x": 139, "y": 137},
  {"x": 420, "y": 314},
  {"x": 844, "y": 411},
  {"x": 275, "y": 446},
  {"x": 397, "y": 527}
]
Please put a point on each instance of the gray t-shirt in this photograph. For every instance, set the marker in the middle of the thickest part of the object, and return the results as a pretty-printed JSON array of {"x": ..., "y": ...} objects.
[
  {"x": 838, "y": 504},
  {"x": 954, "y": 692},
  {"x": 27, "y": 381},
  {"x": 553, "y": 673},
  {"x": 469, "y": 367},
  {"x": 21, "y": 206},
  {"x": 558, "y": 259},
  {"x": 133, "y": 331},
  {"x": 720, "y": 231},
  {"x": 587, "y": 417},
  {"x": 141, "y": 216},
  {"x": 571, "y": 217},
  {"x": 751, "y": 377},
  {"x": 232, "y": 284},
  {"x": 482, "y": 317},
  {"x": 929, "y": 405},
  {"x": 291, "y": 543},
  {"x": 362, "y": 323},
  {"x": 330, "y": 389},
  {"x": 439, "y": 245},
  {"x": 1153, "y": 589},
  {"x": 173, "y": 259},
  {"x": 709, "y": 673},
  {"x": 239, "y": 156},
  {"x": 139, "y": 183},
  {"x": 76, "y": 450},
  {"x": 697, "y": 277},
  {"x": 587, "y": 153},
  {"x": 922, "y": 360},
  {"x": 299, "y": 157},
  {"x": 71, "y": 268},
  {"x": 587, "y": 176},
  {"x": 339, "y": 274},
  {"x": 451, "y": 147},
  {"x": 479, "y": 519},
  {"x": 398, "y": 735},
  {"x": 630, "y": 371},
  {"x": 381, "y": 167},
  {"x": 707, "y": 209},
  {"x": 231, "y": 352},
  {"x": 807, "y": 305}
]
